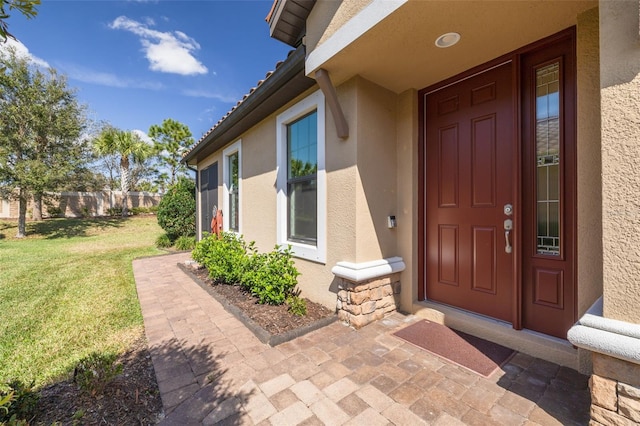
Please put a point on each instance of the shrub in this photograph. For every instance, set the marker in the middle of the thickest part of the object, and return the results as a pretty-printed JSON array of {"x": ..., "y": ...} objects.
[
  {"x": 225, "y": 257},
  {"x": 185, "y": 243},
  {"x": 163, "y": 241},
  {"x": 177, "y": 209},
  {"x": 271, "y": 277},
  {"x": 114, "y": 211},
  {"x": 18, "y": 402},
  {"x": 95, "y": 371},
  {"x": 297, "y": 305}
]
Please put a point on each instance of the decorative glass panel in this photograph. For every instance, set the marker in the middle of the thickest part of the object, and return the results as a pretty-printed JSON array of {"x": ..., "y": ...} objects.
[
  {"x": 234, "y": 199},
  {"x": 548, "y": 158}
]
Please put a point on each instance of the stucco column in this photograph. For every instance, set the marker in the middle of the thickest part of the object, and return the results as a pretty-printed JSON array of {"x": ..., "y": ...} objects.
[
  {"x": 611, "y": 328},
  {"x": 620, "y": 106}
]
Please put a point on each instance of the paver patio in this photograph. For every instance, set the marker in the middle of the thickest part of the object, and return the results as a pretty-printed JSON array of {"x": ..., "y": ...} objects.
[{"x": 212, "y": 370}]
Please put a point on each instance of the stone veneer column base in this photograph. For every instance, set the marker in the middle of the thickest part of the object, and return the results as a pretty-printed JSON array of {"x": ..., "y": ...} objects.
[
  {"x": 360, "y": 303},
  {"x": 615, "y": 391}
]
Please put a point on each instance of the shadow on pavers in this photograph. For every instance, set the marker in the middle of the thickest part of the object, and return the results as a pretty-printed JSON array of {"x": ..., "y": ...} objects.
[{"x": 194, "y": 386}]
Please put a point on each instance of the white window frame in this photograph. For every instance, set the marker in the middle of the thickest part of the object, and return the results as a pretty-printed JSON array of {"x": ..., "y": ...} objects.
[
  {"x": 317, "y": 252},
  {"x": 235, "y": 147}
]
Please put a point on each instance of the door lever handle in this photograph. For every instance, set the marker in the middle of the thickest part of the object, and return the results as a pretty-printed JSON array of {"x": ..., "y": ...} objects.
[{"x": 508, "y": 226}]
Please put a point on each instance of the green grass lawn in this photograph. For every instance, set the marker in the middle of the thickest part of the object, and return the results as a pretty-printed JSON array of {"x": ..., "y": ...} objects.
[{"x": 68, "y": 290}]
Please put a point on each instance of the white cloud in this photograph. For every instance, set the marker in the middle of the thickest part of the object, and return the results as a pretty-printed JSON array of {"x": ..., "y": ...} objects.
[
  {"x": 143, "y": 136},
  {"x": 22, "y": 52},
  {"x": 194, "y": 93},
  {"x": 107, "y": 79},
  {"x": 169, "y": 52}
]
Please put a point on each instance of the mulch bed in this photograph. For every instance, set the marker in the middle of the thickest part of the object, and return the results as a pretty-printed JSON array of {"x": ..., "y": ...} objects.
[
  {"x": 275, "y": 319},
  {"x": 132, "y": 398}
]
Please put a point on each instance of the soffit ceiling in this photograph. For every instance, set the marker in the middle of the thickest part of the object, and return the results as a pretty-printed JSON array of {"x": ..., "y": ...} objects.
[{"x": 399, "y": 53}]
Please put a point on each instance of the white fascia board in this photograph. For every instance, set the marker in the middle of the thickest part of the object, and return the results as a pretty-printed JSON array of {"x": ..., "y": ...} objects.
[
  {"x": 618, "y": 339},
  {"x": 366, "y": 19},
  {"x": 358, "y": 272}
]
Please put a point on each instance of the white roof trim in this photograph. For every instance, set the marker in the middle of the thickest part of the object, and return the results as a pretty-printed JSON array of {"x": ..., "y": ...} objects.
[
  {"x": 358, "y": 272},
  {"x": 366, "y": 19}
]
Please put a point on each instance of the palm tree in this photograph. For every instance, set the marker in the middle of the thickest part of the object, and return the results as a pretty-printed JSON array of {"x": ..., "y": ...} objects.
[{"x": 130, "y": 148}]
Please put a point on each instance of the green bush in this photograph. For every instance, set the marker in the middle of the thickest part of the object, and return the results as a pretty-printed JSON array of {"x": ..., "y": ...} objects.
[
  {"x": 95, "y": 371},
  {"x": 185, "y": 243},
  {"x": 114, "y": 211},
  {"x": 225, "y": 257},
  {"x": 163, "y": 241},
  {"x": 177, "y": 209},
  {"x": 297, "y": 305},
  {"x": 271, "y": 277},
  {"x": 17, "y": 402}
]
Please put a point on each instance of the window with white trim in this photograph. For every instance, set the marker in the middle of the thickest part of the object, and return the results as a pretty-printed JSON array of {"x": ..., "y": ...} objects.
[
  {"x": 301, "y": 181},
  {"x": 232, "y": 177}
]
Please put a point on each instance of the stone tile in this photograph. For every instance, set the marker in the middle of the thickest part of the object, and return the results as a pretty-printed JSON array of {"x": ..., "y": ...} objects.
[
  {"x": 259, "y": 407},
  {"x": 401, "y": 415},
  {"x": 176, "y": 382},
  {"x": 396, "y": 356},
  {"x": 542, "y": 417},
  {"x": 283, "y": 399},
  {"x": 504, "y": 416},
  {"x": 516, "y": 403},
  {"x": 398, "y": 374},
  {"x": 322, "y": 379},
  {"x": 480, "y": 399},
  {"x": 307, "y": 392},
  {"x": 364, "y": 374},
  {"x": 426, "y": 379},
  {"x": 374, "y": 398},
  {"x": 317, "y": 356},
  {"x": 340, "y": 389},
  {"x": 173, "y": 398},
  {"x": 447, "y": 420},
  {"x": 454, "y": 388},
  {"x": 426, "y": 409},
  {"x": 312, "y": 421},
  {"x": 406, "y": 394},
  {"x": 329, "y": 412},
  {"x": 292, "y": 415},
  {"x": 459, "y": 375},
  {"x": 384, "y": 383},
  {"x": 335, "y": 369},
  {"x": 353, "y": 405},
  {"x": 475, "y": 418},
  {"x": 369, "y": 417},
  {"x": 277, "y": 384},
  {"x": 410, "y": 366}
]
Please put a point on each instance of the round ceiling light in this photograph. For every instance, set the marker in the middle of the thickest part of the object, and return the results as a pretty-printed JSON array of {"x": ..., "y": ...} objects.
[{"x": 447, "y": 40}]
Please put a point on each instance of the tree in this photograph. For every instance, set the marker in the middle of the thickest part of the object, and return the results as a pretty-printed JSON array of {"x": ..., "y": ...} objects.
[
  {"x": 171, "y": 141},
  {"x": 26, "y": 7},
  {"x": 131, "y": 150},
  {"x": 41, "y": 123}
]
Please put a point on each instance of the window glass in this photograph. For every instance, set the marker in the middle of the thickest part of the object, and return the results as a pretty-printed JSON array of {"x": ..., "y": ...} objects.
[
  {"x": 301, "y": 179},
  {"x": 548, "y": 158},
  {"x": 234, "y": 195}
]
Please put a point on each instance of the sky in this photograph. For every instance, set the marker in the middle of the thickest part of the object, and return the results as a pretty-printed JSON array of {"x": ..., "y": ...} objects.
[{"x": 135, "y": 63}]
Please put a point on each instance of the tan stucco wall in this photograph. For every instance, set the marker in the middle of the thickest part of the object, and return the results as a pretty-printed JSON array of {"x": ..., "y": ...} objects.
[
  {"x": 327, "y": 17},
  {"x": 407, "y": 195},
  {"x": 589, "y": 279},
  {"x": 620, "y": 104},
  {"x": 376, "y": 186}
]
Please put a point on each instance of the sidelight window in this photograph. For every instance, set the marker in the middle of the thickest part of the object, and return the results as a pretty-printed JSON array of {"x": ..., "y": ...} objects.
[{"x": 548, "y": 159}]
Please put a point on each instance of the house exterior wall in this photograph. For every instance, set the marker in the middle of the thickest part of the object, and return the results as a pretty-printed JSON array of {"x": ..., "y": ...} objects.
[
  {"x": 620, "y": 109},
  {"x": 589, "y": 223},
  {"x": 329, "y": 16}
]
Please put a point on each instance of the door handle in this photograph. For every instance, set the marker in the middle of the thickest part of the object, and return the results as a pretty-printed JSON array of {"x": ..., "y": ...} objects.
[{"x": 508, "y": 226}]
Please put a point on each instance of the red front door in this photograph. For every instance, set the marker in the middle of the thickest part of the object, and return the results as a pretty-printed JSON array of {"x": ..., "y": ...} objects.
[
  {"x": 469, "y": 181},
  {"x": 494, "y": 139}
]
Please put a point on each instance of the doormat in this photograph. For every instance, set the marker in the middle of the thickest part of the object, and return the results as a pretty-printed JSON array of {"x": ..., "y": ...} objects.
[{"x": 476, "y": 354}]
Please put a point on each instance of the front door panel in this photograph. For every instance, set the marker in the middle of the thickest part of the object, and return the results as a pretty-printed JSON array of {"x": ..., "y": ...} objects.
[{"x": 469, "y": 180}]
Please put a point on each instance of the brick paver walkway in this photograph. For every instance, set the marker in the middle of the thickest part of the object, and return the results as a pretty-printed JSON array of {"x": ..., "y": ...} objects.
[{"x": 212, "y": 370}]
